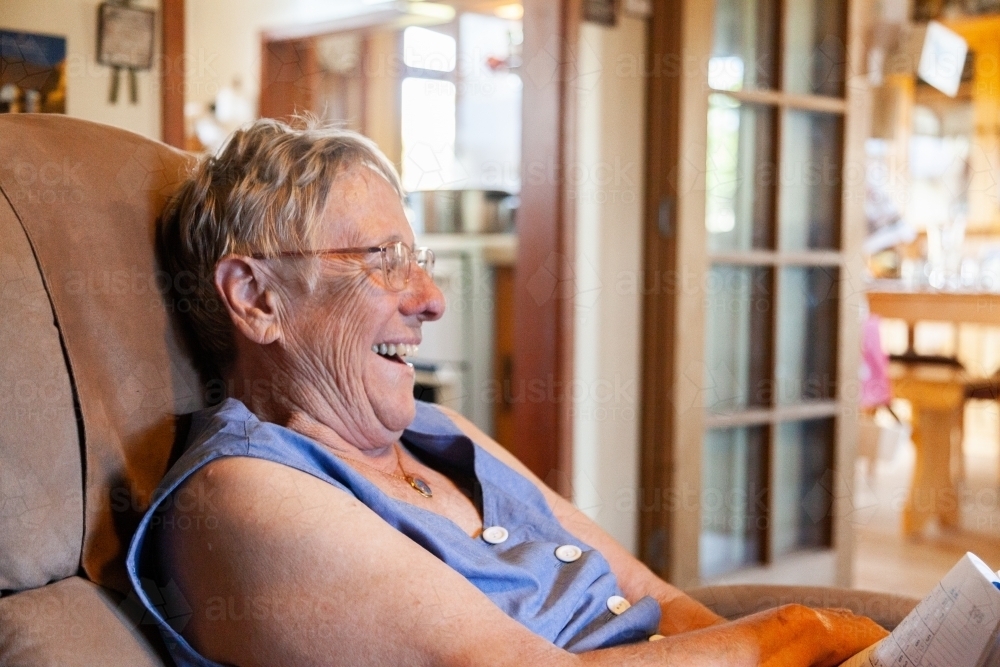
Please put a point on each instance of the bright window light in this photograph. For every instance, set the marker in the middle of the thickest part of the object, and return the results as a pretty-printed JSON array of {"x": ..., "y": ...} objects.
[
  {"x": 725, "y": 73},
  {"x": 512, "y": 12},
  {"x": 428, "y": 120},
  {"x": 427, "y": 49},
  {"x": 722, "y": 179}
]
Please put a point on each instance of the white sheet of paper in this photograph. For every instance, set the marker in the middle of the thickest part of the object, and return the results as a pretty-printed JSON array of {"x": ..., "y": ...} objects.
[{"x": 952, "y": 626}]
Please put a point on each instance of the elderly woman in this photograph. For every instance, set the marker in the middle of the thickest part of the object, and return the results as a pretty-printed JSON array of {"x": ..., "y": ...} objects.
[{"x": 319, "y": 516}]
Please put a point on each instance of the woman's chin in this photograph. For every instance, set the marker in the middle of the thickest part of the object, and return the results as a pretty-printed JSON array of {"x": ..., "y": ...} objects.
[{"x": 396, "y": 410}]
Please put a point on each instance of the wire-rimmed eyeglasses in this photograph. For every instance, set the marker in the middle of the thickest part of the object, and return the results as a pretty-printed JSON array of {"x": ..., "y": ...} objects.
[{"x": 396, "y": 257}]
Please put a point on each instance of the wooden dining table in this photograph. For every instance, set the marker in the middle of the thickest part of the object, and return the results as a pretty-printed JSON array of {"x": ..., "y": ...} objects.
[
  {"x": 889, "y": 299},
  {"x": 937, "y": 393}
]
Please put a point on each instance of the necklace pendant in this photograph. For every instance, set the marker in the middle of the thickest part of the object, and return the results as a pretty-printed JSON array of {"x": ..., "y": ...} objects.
[{"x": 422, "y": 487}]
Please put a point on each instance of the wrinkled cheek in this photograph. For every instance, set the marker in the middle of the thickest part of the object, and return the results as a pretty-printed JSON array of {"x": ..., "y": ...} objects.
[{"x": 346, "y": 336}]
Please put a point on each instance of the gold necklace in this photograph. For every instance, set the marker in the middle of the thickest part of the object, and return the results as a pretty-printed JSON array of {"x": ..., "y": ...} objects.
[{"x": 416, "y": 483}]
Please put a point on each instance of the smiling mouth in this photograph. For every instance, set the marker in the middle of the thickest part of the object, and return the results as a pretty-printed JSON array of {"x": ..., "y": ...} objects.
[{"x": 395, "y": 352}]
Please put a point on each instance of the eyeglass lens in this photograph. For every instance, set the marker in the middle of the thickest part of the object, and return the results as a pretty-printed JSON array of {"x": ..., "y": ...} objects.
[{"x": 397, "y": 260}]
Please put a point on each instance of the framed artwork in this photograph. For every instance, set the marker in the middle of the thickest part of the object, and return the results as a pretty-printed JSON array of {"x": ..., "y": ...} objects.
[
  {"x": 604, "y": 12},
  {"x": 928, "y": 10},
  {"x": 982, "y": 6},
  {"x": 125, "y": 36},
  {"x": 32, "y": 73}
]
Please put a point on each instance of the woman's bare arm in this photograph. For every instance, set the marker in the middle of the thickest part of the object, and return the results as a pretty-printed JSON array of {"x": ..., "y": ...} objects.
[{"x": 294, "y": 571}]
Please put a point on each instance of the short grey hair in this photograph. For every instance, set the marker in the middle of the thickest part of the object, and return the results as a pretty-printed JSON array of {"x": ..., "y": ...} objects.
[{"x": 263, "y": 193}]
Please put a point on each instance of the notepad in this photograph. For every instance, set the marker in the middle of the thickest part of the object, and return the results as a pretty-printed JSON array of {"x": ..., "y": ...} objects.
[{"x": 956, "y": 625}]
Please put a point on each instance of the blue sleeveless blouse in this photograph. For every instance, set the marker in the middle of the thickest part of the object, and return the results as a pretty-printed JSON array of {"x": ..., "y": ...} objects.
[{"x": 571, "y": 599}]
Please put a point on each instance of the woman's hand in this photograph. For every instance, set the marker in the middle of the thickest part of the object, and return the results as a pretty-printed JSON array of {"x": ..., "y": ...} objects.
[
  {"x": 800, "y": 636},
  {"x": 788, "y": 636},
  {"x": 846, "y": 634}
]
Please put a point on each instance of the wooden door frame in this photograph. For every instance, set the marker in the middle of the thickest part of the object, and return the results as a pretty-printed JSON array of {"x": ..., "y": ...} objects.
[
  {"x": 283, "y": 94},
  {"x": 673, "y": 330},
  {"x": 172, "y": 82},
  {"x": 673, "y": 227},
  {"x": 541, "y": 387}
]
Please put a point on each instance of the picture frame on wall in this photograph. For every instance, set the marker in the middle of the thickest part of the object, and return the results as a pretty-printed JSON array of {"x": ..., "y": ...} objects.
[
  {"x": 603, "y": 12},
  {"x": 987, "y": 6},
  {"x": 125, "y": 36},
  {"x": 32, "y": 72},
  {"x": 928, "y": 10}
]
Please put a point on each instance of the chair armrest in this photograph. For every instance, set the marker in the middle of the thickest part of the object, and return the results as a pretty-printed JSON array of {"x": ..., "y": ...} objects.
[{"x": 75, "y": 622}]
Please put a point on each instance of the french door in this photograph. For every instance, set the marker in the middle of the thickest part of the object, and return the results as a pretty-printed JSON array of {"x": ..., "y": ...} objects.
[{"x": 752, "y": 285}]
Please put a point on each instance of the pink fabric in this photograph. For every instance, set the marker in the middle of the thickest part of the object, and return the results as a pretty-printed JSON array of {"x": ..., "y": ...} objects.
[{"x": 874, "y": 366}]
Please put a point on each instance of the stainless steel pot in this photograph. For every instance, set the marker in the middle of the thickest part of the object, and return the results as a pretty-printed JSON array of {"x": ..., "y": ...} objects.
[{"x": 462, "y": 211}]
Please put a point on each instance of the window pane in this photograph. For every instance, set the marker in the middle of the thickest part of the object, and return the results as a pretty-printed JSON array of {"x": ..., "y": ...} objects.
[
  {"x": 803, "y": 482},
  {"x": 807, "y": 335},
  {"x": 428, "y": 49},
  {"x": 738, "y": 338},
  {"x": 816, "y": 49},
  {"x": 488, "y": 143},
  {"x": 428, "y": 120},
  {"x": 739, "y": 176},
  {"x": 733, "y": 499},
  {"x": 811, "y": 180},
  {"x": 743, "y": 55}
]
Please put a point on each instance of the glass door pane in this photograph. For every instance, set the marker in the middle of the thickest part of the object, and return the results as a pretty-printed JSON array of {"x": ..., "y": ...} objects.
[
  {"x": 802, "y": 501},
  {"x": 815, "y": 52},
  {"x": 807, "y": 335},
  {"x": 733, "y": 499},
  {"x": 739, "y": 314},
  {"x": 811, "y": 183},
  {"x": 741, "y": 175},
  {"x": 746, "y": 45}
]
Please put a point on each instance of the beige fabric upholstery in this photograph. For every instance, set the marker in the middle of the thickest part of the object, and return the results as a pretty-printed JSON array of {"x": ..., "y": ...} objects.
[
  {"x": 87, "y": 196},
  {"x": 73, "y": 622},
  {"x": 735, "y": 601},
  {"x": 41, "y": 490}
]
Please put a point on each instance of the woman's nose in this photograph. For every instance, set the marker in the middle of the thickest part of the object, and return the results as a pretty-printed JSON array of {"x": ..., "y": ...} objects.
[{"x": 423, "y": 297}]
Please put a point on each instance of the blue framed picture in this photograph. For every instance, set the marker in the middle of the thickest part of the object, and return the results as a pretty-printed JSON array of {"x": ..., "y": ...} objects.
[{"x": 32, "y": 73}]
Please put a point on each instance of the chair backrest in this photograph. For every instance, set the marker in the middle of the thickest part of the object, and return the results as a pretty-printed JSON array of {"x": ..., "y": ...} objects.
[{"x": 92, "y": 370}]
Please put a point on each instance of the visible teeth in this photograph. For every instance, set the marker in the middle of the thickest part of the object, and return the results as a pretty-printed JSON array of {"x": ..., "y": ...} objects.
[{"x": 393, "y": 349}]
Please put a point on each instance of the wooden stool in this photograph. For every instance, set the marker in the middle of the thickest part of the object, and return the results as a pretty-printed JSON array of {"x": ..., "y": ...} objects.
[{"x": 937, "y": 393}]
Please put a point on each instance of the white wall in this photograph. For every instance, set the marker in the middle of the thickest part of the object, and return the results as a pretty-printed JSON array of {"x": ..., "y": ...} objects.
[
  {"x": 610, "y": 145},
  {"x": 88, "y": 83}
]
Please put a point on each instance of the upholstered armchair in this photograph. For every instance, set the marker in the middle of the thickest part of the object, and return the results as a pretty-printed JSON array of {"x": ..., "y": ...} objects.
[{"x": 92, "y": 374}]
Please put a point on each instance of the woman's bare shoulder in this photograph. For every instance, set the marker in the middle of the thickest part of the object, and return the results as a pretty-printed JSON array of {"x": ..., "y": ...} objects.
[{"x": 293, "y": 570}]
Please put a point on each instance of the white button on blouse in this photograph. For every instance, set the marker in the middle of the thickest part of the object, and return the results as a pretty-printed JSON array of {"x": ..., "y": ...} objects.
[
  {"x": 495, "y": 535},
  {"x": 568, "y": 553},
  {"x": 618, "y": 605}
]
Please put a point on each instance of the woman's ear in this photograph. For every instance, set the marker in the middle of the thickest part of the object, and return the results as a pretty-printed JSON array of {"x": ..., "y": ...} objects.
[{"x": 252, "y": 304}]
